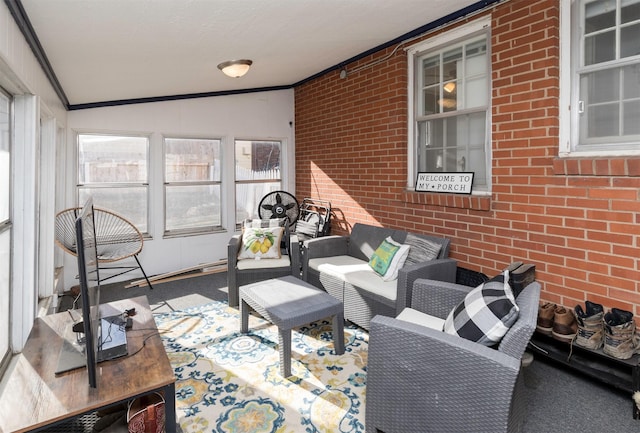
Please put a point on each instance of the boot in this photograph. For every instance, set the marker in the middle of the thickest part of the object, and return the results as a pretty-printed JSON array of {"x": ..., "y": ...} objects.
[
  {"x": 521, "y": 277},
  {"x": 620, "y": 339},
  {"x": 546, "y": 313},
  {"x": 590, "y": 325},
  {"x": 565, "y": 326}
]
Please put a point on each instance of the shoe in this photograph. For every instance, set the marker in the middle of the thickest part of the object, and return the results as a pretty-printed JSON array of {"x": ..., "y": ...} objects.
[
  {"x": 565, "y": 326},
  {"x": 544, "y": 324},
  {"x": 521, "y": 277},
  {"x": 620, "y": 339},
  {"x": 590, "y": 325}
]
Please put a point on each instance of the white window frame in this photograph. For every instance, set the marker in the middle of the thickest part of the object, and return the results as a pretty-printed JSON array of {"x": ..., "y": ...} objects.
[
  {"x": 145, "y": 184},
  {"x": 166, "y": 184},
  {"x": 569, "y": 97},
  {"x": 280, "y": 180},
  {"x": 413, "y": 52}
]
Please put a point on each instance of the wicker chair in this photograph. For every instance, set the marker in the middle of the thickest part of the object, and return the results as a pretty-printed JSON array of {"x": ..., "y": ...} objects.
[
  {"x": 424, "y": 380},
  {"x": 116, "y": 239},
  {"x": 241, "y": 272}
]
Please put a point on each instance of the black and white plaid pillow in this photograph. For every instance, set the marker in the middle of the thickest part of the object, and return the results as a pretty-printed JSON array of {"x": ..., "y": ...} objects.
[{"x": 486, "y": 313}]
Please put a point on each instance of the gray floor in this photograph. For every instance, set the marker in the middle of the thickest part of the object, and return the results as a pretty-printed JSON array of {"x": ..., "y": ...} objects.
[{"x": 559, "y": 401}]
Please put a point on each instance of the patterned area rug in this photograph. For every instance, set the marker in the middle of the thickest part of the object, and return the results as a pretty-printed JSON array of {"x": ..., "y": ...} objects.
[{"x": 230, "y": 382}]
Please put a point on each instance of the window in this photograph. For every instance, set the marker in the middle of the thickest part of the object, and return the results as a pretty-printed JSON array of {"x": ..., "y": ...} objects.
[
  {"x": 192, "y": 185},
  {"x": 450, "y": 105},
  {"x": 114, "y": 170},
  {"x": 606, "y": 75},
  {"x": 5, "y": 229},
  {"x": 257, "y": 173}
]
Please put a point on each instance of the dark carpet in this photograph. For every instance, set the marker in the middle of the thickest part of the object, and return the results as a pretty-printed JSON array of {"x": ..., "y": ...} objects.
[{"x": 558, "y": 399}]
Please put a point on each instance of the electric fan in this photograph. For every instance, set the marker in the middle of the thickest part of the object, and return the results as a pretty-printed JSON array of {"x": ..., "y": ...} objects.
[{"x": 279, "y": 204}]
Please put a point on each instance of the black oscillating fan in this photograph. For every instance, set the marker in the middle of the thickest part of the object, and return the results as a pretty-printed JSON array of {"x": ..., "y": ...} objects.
[{"x": 279, "y": 204}]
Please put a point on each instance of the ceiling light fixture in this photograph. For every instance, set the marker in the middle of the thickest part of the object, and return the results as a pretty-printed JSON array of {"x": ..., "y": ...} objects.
[{"x": 235, "y": 68}]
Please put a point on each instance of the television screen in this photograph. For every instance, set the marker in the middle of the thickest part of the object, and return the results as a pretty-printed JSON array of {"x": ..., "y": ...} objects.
[{"x": 89, "y": 286}]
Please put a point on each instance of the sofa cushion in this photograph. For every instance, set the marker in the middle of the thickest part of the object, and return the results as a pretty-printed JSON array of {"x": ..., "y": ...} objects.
[
  {"x": 421, "y": 249},
  {"x": 282, "y": 262},
  {"x": 357, "y": 273},
  {"x": 260, "y": 243},
  {"x": 420, "y": 318},
  {"x": 486, "y": 313}
]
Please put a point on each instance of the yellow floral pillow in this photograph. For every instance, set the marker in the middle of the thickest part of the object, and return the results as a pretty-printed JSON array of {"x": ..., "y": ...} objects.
[{"x": 261, "y": 243}]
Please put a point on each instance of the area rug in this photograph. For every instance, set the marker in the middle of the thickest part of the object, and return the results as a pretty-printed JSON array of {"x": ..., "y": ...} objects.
[{"x": 230, "y": 382}]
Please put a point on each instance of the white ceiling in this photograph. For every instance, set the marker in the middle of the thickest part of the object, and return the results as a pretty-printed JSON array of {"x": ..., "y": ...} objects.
[{"x": 109, "y": 50}]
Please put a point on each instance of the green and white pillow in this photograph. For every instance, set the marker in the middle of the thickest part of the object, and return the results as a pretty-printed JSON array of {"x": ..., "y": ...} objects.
[{"x": 388, "y": 258}]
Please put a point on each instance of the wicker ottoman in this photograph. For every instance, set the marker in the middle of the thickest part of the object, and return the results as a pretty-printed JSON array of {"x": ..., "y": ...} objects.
[{"x": 288, "y": 302}]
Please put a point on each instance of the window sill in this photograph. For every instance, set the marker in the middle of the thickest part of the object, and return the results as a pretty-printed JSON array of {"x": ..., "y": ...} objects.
[
  {"x": 474, "y": 202},
  {"x": 597, "y": 166}
]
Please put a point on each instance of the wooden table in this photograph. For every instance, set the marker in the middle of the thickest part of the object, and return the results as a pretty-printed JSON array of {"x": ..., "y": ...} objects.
[{"x": 35, "y": 397}]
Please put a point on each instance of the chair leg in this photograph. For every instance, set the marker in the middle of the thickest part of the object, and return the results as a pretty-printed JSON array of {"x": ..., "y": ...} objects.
[{"x": 143, "y": 272}]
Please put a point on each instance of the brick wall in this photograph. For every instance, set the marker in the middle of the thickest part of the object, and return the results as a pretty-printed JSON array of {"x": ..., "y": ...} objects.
[{"x": 576, "y": 219}]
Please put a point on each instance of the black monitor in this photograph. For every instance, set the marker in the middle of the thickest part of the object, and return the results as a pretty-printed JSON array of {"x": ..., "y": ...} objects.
[{"x": 89, "y": 286}]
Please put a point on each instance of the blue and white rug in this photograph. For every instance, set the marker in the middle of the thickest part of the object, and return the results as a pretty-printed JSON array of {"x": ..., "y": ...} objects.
[{"x": 230, "y": 382}]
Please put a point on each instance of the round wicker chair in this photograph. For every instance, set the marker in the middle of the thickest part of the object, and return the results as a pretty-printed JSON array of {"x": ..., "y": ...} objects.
[{"x": 116, "y": 239}]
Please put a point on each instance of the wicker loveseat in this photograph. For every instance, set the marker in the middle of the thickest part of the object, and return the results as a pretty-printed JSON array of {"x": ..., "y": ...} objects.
[
  {"x": 427, "y": 380},
  {"x": 339, "y": 265}
]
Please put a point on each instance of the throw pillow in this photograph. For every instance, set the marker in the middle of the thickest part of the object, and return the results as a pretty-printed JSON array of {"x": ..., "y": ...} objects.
[
  {"x": 397, "y": 262},
  {"x": 261, "y": 243},
  {"x": 383, "y": 255},
  {"x": 422, "y": 250},
  {"x": 486, "y": 313}
]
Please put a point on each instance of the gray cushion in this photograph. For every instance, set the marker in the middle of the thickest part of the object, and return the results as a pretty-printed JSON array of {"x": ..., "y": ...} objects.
[{"x": 422, "y": 250}]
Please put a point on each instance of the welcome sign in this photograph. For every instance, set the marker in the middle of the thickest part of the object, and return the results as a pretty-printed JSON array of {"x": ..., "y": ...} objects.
[{"x": 450, "y": 182}]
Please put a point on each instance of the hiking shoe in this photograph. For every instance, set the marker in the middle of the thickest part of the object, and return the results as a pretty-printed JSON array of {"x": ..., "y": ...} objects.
[
  {"x": 590, "y": 325},
  {"x": 565, "y": 326},
  {"x": 620, "y": 339},
  {"x": 521, "y": 277},
  {"x": 546, "y": 312}
]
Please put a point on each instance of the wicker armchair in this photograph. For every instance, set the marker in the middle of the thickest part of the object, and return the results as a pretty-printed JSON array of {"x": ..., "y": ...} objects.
[
  {"x": 424, "y": 380},
  {"x": 116, "y": 239},
  {"x": 241, "y": 272}
]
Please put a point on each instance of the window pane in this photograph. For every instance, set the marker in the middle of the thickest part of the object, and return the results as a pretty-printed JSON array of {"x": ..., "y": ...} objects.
[
  {"x": 631, "y": 81},
  {"x": 112, "y": 159},
  {"x": 431, "y": 98},
  {"x": 603, "y": 120},
  {"x": 599, "y": 15},
  {"x": 130, "y": 202},
  {"x": 5, "y": 289},
  {"x": 630, "y": 122},
  {"x": 476, "y": 59},
  {"x": 248, "y": 196},
  {"x": 192, "y": 206},
  {"x": 630, "y": 41},
  {"x": 257, "y": 160},
  {"x": 189, "y": 160},
  {"x": 476, "y": 93},
  {"x": 630, "y": 11},
  {"x": 431, "y": 71},
  {"x": 600, "y": 48},
  {"x": 602, "y": 86},
  {"x": 5, "y": 158}
]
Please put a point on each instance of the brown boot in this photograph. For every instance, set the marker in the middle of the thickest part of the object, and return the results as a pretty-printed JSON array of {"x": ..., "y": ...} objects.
[
  {"x": 565, "y": 326},
  {"x": 545, "y": 318}
]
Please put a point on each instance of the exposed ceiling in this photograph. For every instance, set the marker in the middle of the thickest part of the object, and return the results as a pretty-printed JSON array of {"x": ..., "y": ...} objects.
[{"x": 110, "y": 50}]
